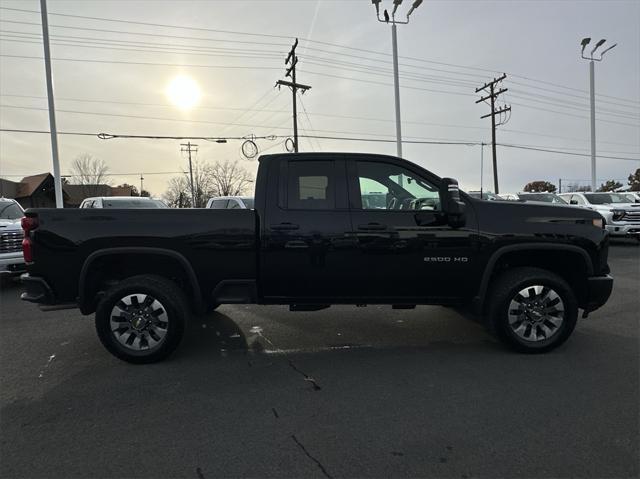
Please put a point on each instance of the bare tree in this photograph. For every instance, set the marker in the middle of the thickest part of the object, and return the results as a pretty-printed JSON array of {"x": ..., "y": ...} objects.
[
  {"x": 230, "y": 178},
  {"x": 209, "y": 180},
  {"x": 178, "y": 193},
  {"x": 90, "y": 172}
]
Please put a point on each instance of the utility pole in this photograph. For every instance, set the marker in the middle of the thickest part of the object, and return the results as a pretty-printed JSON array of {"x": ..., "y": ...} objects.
[
  {"x": 394, "y": 44},
  {"x": 481, "y": 168},
  {"x": 57, "y": 179},
  {"x": 189, "y": 148},
  {"x": 141, "y": 180},
  {"x": 493, "y": 95},
  {"x": 292, "y": 59},
  {"x": 592, "y": 98}
]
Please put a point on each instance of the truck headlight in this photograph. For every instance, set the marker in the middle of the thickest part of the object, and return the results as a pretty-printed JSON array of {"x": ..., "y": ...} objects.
[
  {"x": 618, "y": 214},
  {"x": 598, "y": 223}
]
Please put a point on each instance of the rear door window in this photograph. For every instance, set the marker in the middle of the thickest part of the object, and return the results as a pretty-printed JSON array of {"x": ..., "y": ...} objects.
[{"x": 311, "y": 185}]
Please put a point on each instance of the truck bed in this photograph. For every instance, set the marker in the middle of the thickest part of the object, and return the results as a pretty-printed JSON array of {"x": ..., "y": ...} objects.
[{"x": 217, "y": 244}]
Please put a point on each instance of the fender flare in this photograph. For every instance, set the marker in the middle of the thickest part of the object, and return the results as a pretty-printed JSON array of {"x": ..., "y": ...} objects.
[
  {"x": 480, "y": 298},
  {"x": 83, "y": 301}
]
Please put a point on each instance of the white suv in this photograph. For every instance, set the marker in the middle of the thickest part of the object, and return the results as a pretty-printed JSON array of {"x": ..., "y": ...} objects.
[
  {"x": 11, "y": 259},
  {"x": 621, "y": 217}
]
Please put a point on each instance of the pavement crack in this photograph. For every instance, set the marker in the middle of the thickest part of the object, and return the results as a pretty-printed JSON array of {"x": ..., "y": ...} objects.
[
  {"x": 316, "y": 386},
  {"x": 304, "y": 449},
  {"x": 199, "y": 473},
  {"x": 275, "y": 413},
  {"x": 258, "y": 331},
  {"x": 51, "y": 358}
]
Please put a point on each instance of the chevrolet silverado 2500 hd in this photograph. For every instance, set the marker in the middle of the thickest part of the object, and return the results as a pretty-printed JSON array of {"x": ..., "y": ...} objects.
[{"x": 327, "y": 228}]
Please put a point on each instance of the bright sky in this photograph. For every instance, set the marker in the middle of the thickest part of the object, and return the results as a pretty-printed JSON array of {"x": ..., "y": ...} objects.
[{"x": 116, "y": 76}]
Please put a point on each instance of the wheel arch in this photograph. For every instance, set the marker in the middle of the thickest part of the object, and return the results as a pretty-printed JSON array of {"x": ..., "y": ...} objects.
[
  {"x": 89, "y": 282},
  {"x": 552, "y": 257}
]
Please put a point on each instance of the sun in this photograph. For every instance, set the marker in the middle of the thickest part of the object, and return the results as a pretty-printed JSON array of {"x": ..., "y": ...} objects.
[{"x": 183, "y": 92}]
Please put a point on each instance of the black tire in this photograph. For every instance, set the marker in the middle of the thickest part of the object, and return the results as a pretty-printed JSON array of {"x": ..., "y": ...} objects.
[
  {"x": 542, "y": 330},
  {"x": 169, "y": 325}
]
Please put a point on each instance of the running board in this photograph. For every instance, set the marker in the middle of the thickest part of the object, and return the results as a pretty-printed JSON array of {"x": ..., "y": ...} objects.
[{"x": 57, "y": 307}]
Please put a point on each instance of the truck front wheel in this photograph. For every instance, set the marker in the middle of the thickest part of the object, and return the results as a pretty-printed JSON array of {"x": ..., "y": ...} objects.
[
  {"x": 142, "y": 319},
  {"x": 532, "y": 310}
]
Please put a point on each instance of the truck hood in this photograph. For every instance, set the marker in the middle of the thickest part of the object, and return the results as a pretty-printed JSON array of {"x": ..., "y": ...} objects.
[
  {"x": 616, "y": 206},
  {"x": 10, "y": 225},
  {"x": 541, "y": 220}
]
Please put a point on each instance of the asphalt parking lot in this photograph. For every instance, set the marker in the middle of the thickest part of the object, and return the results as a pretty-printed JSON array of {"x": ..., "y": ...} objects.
[{"x": 345, "y": 392}]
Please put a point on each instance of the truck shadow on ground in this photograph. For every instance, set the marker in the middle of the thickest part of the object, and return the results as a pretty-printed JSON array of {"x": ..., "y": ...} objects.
[{"x": 211, "y": 333}]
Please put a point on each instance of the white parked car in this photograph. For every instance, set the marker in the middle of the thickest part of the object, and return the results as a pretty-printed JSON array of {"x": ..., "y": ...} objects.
[
  {"x": 622, "y": 218},
  {"x": 11, "y": 258},
  {"x": 122, "y": 202},
  {"x": 230, "y": 203},
  {"x": 509, "y": 196}
]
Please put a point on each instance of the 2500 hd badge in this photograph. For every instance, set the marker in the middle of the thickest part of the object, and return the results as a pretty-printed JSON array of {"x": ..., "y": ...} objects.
[{"x": 446, "y": 259}]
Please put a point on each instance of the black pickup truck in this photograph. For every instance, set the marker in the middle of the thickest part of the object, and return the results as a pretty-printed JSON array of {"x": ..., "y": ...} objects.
[{"x": 328, "y": 228}]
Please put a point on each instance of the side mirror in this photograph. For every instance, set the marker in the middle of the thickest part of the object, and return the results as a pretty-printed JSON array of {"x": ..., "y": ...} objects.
[
  {"x": 452, "y": 206},
  {"x": 430, "y": 218},
  {"x": 573, "y": 202}
]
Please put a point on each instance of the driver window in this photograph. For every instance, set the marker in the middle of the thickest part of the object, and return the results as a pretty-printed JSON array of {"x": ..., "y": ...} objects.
[{"x": 384, "y": 186}]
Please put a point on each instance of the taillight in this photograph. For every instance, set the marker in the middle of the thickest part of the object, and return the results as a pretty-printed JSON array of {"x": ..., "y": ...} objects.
[{"x": 29, "y": 223}]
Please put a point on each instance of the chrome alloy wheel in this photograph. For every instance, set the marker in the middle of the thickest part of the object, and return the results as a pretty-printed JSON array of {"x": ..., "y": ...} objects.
[
  {"x": 536, "y": 313},
  {"x": 139, "y": 322}
]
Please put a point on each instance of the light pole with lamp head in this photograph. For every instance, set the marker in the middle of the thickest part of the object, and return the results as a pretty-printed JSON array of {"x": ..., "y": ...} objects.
[
  {"x": 591, "y": 58},
  {"x": 394, "y": 40}
]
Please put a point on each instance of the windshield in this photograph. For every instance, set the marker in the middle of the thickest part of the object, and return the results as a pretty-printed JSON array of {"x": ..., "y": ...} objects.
[
  {"x": 248, "y": 202},
  {"x": 10, "y": 210},
  {"x": 132, "y": 203},
  {"x": 545, "y": 197},
  {"x": 605, "y": 198}
]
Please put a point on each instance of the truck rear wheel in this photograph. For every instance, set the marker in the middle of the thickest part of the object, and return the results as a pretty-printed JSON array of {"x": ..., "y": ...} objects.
[
  {"x": 532, "y": 310},
  {"x": 142, "y": 319}
]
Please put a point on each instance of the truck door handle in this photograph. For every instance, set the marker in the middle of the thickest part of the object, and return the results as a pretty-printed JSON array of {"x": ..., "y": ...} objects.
[
  {"x": 372, "y": 227},
  {"x": 285, "y": 227}
]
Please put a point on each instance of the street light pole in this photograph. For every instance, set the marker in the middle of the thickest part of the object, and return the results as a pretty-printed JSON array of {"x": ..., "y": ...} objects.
[
  {"x": 396, "y": 87},
  {"x": 394, "y": 45},
  {"x": 57, "y": 179},
  {"x": 592, "y": 98},
  {"x": 592, "y": 94}
]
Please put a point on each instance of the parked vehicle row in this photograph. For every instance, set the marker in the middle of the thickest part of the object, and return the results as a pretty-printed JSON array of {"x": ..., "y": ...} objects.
[
  {"x": 316, "y": 238},
  {"x": 622, "y": 218},
  {"x": 541, "y": 197}
]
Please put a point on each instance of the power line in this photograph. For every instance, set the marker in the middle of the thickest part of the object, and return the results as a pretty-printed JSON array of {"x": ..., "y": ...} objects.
[
  {"x": 320, "y": 137},
  {"x": 315, "y": 113},
  {"x": 571, "y": 114},
  {"x": 265, "y": 35},
  {"x": 358, "y": 68},
  {"x": 618, "y": 113},
  {"x": 106, "y": 46},
  {"x": 122, "y": 62}
]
